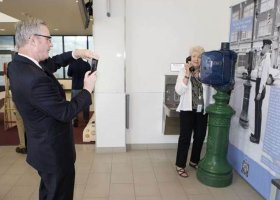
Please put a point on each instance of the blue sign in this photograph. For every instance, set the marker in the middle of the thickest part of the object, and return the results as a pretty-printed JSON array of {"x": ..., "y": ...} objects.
[{"x": 245, "y": 24}]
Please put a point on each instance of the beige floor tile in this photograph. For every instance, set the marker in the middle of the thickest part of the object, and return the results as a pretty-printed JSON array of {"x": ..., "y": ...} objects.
[
  {"x": 97, "y": 190},
  {"x": 28, "y": 179},
  {"x": 134, "y": 175},
  {"x": 17, "y": 168},
  {"x": 244, "y": 191},
  {"x": 35, "y": 194},
  {"x": 9, "y": 179},
  {"x": 121, "y": 158},
  {"x": 221, "y": 193},
  {"x": 172, "y": 190},
  {"x": 122, "y": 177},
  {"x": 163, "y": 166},
  {"x": 3, "y": 167},
  {"x": 201, "y": 197},
  {"x": 121, "y": 167},
  {"x": 139, "y": 156},
  {"x": 146, "y": 190},
  {"x": 166, "y": 175},
  {"x": 9, "y": 158},
  {"x": 79, "y": 192},
  {"x": 20, "y": 192},
  {"x": 171, "y": 155},
  {"x": 4, "y": 189},
  {"x": 83, "y": 167},
  {"x": 103, "y": 158},
  {"x": 99, "y": 178},
  {"x": 121, "y": 198},
  {"x": 158, "y": 156},
  {"x": 80, "y": 148},
  {"x": 122, "y": 191},
  {"x": 148, "y": 198},
  {"x": 192, "y": 186},
  {"x": 144, "y": 178},
  {"x": 142, "y": 166},
  {"x": 81, "y": 178},
  {"x": 104, "y": 167}
]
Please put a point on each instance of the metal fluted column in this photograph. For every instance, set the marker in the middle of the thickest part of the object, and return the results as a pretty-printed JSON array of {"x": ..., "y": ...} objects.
[{"x": 214, "y": 169}]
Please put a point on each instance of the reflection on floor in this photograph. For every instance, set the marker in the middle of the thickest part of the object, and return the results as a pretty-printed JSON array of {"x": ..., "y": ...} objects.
[{"x": 134, "y": 175}]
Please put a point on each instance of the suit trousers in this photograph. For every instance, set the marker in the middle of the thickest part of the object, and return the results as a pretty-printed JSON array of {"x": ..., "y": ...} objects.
[
  {"x": 58, "y": 185},
  {"x": 191, "y": 122}
]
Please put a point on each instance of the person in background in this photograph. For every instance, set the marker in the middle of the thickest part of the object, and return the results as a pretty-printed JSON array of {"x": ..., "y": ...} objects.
[
  {"x": 21, "y": 134},
  {"x": 21, "y": 148},
  {"x": 194, "y": 98},
  {"x": 77, "y": 71},
  {"x": 46, "y": 113},
  {"x": 262, "y": 76}
]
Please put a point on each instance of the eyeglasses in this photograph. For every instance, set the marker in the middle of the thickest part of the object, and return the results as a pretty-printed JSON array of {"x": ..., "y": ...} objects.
[{"x": 45, "y": 36}]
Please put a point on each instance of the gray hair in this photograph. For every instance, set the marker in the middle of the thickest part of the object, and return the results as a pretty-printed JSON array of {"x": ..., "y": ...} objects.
[
  {"x": 198, "y": 49},
  {"x": 26, "y": 28}
]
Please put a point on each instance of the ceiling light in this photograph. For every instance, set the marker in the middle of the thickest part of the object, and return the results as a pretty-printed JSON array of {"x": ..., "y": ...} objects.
[
  {"x": 2, "y": 29},
  {"x": 55, "y": 29}
]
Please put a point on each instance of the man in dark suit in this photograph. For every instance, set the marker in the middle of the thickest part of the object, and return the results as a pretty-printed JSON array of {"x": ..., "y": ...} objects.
[{"x": 46, "y": 113}]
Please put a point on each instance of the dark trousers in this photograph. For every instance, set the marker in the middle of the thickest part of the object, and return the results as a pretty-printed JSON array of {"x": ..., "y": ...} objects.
[
  {"x": 85, "y": 109},
  {"x": 57, "y": 186},
  {"x": 191, "y": 122},
  {"x": 258, "y": 111}
]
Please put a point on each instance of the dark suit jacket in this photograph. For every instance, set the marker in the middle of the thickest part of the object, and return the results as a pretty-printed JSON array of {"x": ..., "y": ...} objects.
[{"x": 46, "y": 114}]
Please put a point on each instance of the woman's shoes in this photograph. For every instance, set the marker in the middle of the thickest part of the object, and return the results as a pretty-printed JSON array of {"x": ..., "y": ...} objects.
[
  {"x": 182, "y": 172},
  {"x": 193, "y": 165}
]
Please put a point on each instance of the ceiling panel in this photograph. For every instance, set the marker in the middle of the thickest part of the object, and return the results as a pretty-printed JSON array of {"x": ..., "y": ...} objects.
[{"x": 63, "y": 15}]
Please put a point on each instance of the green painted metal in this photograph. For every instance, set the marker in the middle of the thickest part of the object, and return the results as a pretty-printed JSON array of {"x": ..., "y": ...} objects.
[{"x": 214, "y": 169}]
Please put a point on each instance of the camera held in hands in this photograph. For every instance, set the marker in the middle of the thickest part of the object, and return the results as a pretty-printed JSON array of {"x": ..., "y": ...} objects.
[{"x": 94, "y": 63}]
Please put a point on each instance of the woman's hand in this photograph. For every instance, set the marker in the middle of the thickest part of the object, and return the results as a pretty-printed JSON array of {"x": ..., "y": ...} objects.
[
  {"x": 187, "y": 73},
  {"x": 187, "y": 69}
]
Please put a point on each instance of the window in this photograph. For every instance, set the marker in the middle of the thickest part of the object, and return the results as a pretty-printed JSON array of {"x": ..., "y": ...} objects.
[
  {"x": 74, "y": 42},
  {"x": 57, "y": 49},
  {"x": 248, "y": 10},
  {"x": 7, "y": 43},
  {"x": 265, "y": 27}
]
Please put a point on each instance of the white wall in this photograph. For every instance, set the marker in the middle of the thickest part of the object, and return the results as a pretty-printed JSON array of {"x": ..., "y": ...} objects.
[{"x": 153, "y": 34}]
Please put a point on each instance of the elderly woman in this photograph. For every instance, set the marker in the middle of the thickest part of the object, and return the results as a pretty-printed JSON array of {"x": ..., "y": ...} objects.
[{"x": 194, "y": 98}]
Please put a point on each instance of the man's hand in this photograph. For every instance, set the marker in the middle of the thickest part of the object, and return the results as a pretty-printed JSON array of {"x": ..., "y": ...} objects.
[
  {"x": 89, "y": 81},
  {"x": 258, "y": 97},
  {"x": 85, "y": 54}
]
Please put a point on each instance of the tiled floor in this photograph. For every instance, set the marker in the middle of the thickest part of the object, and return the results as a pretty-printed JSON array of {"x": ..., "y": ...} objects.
[{"x": 134, "y": 175}]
